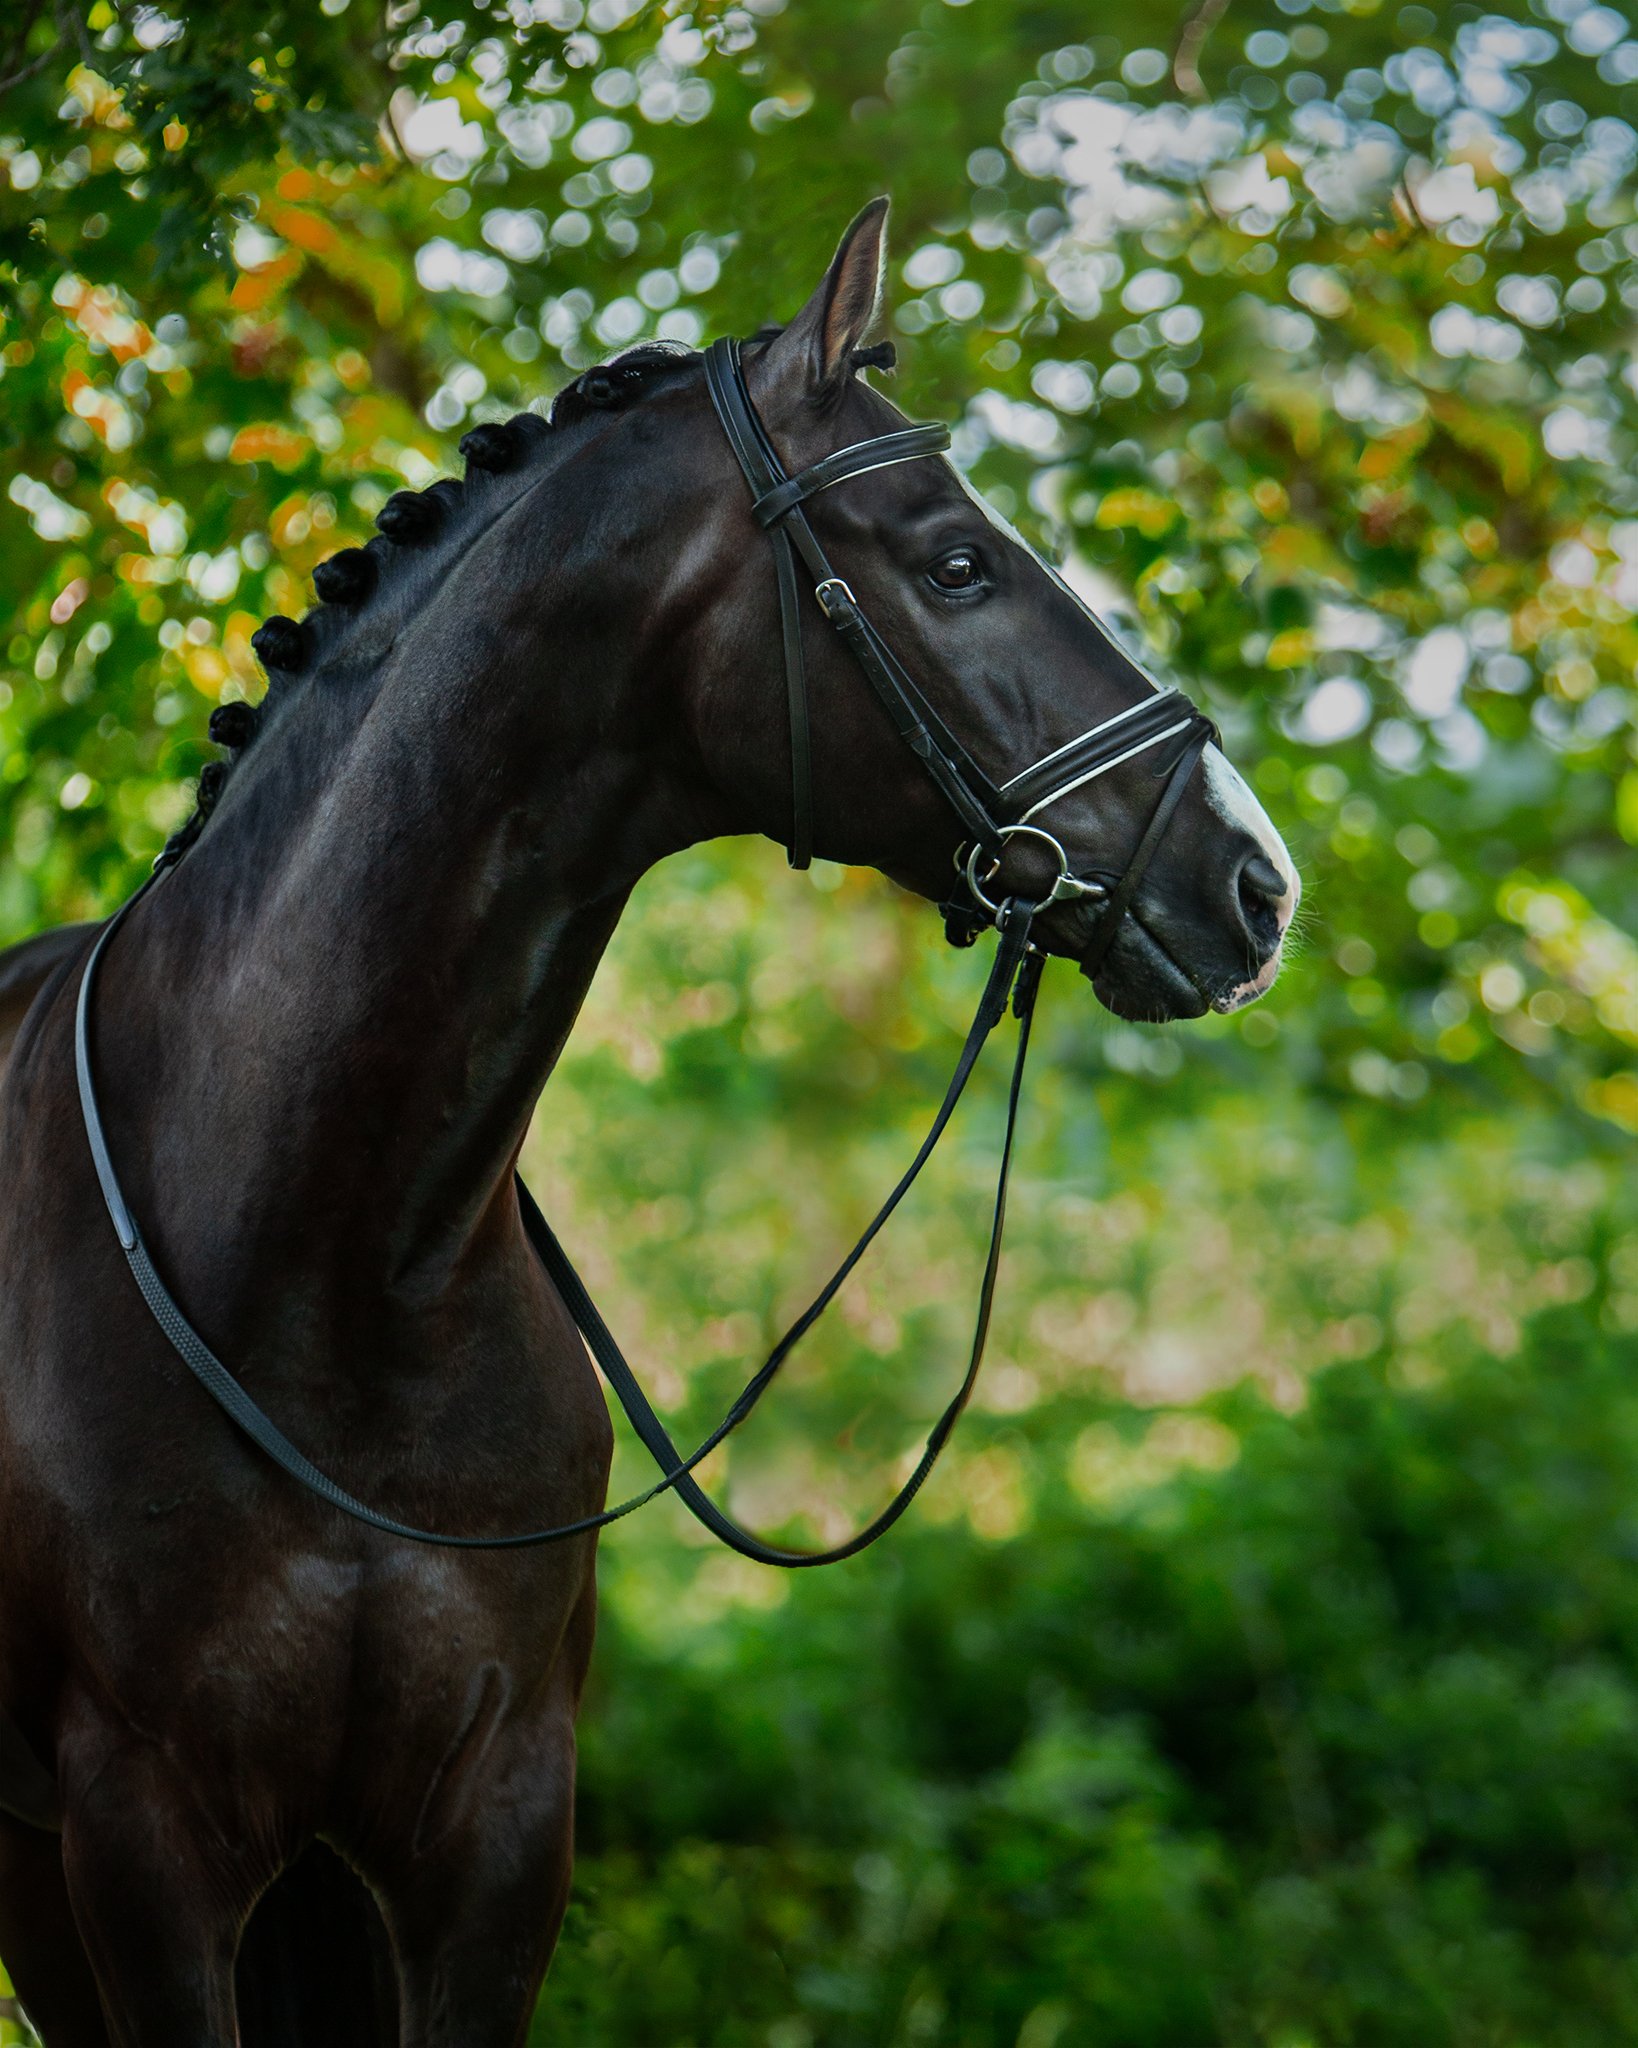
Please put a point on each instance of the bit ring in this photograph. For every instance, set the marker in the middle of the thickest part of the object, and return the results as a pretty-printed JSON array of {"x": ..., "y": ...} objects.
[{"x": 1066, "y": 888}]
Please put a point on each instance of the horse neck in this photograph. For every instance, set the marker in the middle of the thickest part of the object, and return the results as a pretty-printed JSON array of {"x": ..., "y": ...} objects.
[{"x": 332, "y": 1022}]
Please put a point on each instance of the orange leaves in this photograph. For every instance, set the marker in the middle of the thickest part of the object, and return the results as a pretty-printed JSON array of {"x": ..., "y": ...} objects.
[
  {"x": 309, "y": 231},
  {"x": 105, "y": 412},
  {"x": 269, "y": 441},
  {"x": 311, "y": 235},
  {"x": 102, "y": 102},
  {"x": 255, "y": 290},
  {"x": 145, "y": 569},
  {"x": 100, "y": 313}
]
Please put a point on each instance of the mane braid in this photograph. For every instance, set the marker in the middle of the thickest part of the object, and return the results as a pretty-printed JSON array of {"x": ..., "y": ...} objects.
[
  {"x": 879, "y": 355},
  {"x": 606, "y": 386},
  {"x": 401, "y": 564}
]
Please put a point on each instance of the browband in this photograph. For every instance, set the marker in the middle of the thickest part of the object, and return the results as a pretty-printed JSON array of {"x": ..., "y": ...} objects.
[{"x": 881, "y": 453}]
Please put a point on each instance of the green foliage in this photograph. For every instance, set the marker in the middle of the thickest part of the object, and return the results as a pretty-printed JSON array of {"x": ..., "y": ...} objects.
[
  {"x": 1336, "y": 1744},
  {"x": 1260, "y": 1669}
]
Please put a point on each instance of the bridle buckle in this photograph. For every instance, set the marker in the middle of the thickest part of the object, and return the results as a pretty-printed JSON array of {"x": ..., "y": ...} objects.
[{"x": 834, "y": 596}]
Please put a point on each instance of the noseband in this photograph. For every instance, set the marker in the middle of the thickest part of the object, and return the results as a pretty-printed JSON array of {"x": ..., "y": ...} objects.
[{"x": 991, "y": 817}]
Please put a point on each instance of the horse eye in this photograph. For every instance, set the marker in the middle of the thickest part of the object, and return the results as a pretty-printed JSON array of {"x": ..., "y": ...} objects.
[{"x": 959, "y": 570}]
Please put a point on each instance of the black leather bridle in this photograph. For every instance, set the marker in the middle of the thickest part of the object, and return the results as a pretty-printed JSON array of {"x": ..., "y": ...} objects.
[{"x": 990, "y": 817}]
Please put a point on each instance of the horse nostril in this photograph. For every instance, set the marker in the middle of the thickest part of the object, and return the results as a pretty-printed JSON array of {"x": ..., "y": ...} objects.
[{"x": 1262, "y": 888}]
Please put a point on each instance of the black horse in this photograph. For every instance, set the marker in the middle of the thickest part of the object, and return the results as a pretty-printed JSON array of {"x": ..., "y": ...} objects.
[{"x": 272, "y": 1776}]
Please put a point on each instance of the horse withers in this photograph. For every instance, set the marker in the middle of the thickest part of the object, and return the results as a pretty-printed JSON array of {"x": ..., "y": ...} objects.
[{"x": 267, "y": 1774}]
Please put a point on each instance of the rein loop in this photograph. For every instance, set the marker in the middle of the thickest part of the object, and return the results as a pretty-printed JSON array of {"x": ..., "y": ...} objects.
[{"x": 1015, "y": 974}]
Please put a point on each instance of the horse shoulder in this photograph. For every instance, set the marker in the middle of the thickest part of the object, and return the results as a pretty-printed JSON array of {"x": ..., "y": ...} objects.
[{"x": 26, "y": 968}]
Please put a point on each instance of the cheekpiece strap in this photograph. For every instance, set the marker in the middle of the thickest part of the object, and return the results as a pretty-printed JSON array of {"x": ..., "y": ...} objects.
[
  {"x": 763, "y": 471},
  {"x": 777, "y": 504}
]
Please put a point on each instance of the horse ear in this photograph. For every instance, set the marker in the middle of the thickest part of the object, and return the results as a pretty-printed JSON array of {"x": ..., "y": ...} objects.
[{"x": 815, "y": 351}]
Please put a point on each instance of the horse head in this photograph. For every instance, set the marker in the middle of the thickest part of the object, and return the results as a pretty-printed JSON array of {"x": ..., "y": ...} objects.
[{"x": 1005, "y": 669}]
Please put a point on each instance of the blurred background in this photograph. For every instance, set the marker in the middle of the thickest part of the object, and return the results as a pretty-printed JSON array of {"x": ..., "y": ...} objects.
[{"x": 1262, "y": 1665}]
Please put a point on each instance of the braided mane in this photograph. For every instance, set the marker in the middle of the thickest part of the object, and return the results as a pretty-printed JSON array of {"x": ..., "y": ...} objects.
[{"x": 417, "y": 532}]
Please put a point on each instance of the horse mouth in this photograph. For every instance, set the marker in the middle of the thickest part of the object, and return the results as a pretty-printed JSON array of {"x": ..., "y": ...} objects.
[
  {"x": 1245, "y": 992},
  {"x": 1142, "y": 981}
]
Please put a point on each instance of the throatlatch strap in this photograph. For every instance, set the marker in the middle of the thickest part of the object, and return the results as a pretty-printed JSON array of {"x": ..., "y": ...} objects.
[{"x": 1014, "y": 972}]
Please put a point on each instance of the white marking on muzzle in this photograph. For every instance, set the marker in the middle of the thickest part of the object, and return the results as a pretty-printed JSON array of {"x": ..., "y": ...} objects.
[
  {"x": 1248, "y": 991},
  {"x": 1230, "y": 796},
  {"x": 1227, "y": 791}
]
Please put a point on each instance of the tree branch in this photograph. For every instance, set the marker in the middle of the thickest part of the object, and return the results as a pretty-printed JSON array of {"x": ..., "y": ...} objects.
[{"x": 39, "y": 63}]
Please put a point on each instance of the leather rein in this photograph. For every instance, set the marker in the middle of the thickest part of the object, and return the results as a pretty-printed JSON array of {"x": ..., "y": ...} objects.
[{"x": 991, "y": 817}]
